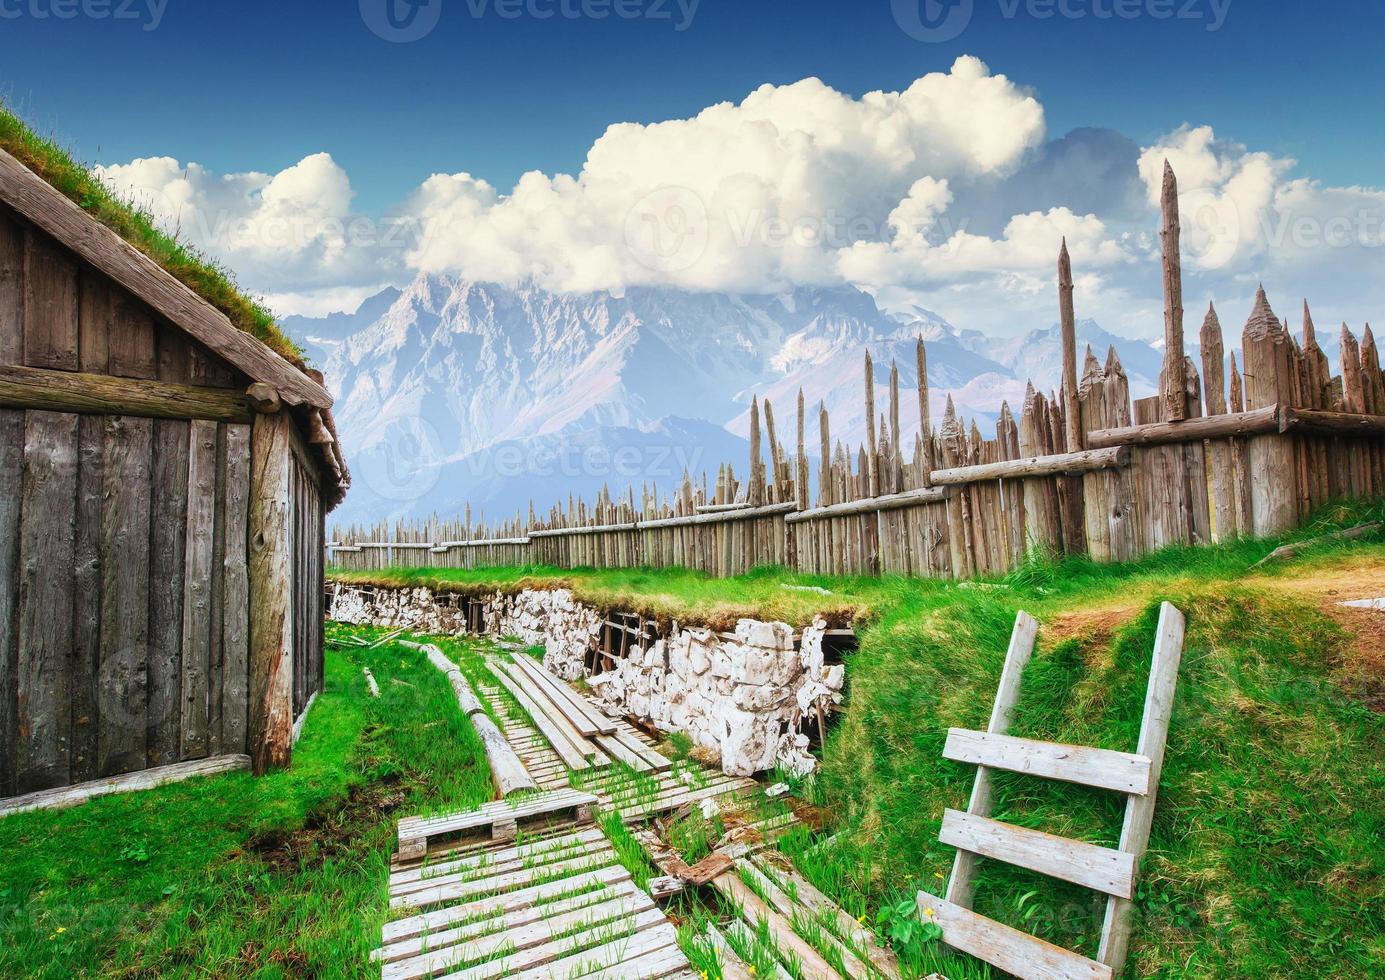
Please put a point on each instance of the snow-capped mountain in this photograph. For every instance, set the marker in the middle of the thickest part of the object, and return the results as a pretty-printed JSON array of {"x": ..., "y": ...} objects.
[{"x": 450, "y": 390}]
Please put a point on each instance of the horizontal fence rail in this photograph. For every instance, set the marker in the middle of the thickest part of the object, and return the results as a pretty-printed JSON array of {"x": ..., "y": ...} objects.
[{"x": 1226, "y": 451}]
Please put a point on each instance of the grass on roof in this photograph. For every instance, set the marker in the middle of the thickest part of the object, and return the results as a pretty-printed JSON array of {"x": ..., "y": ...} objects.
[{"x": 196, "y": 271}]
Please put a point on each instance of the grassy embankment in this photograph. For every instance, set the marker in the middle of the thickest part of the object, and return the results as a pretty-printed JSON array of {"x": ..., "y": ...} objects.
[{"x": 1268, "y": 850}]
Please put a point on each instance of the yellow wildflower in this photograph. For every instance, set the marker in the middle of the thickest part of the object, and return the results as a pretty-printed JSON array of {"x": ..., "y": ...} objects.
[
  {"x": 60, "y": 930},
  {"x": 928, "y": 912},
  {"x": 938, "y": 875}
]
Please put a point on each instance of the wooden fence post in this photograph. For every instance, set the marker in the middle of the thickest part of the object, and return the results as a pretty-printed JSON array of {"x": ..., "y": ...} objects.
[
  {"x": 270, "y": 574},
  {"x": 1273, "y": 492}
]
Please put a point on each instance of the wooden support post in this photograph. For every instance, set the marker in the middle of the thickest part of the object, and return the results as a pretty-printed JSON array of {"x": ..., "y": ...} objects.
[
  {"x": 755, "y": 492},
  {"x": 1174, "y": 391},
  {"x": 872, "y": 478},
  {"x": 270, "y": 578},
  {"x": 1225, "y": 522}
]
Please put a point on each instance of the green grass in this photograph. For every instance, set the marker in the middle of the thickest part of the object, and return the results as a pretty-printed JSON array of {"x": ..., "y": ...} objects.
[
  {"x": 199, "y": 273},
  {"x": 282, "y": 876},
  {"x": 1268, "y": 850}
]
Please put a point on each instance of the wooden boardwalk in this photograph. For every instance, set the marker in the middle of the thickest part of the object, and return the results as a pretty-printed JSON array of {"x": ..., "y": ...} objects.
[{"x": 551, "y": 898}]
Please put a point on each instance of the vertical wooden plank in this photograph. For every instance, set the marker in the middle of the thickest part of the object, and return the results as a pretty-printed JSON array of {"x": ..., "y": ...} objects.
[
  {"x": 1195, "y": 462},
  {"x": 271, "y": 620},
  {"x": 11, "y": 486},
  {"x": 94, "y": 320},
  {"x": 125, "y": 543},
  {"x": 46, "y": 556},
  {"x": 1139, "y": 810},
  {"x": 50, "y": 304},
  {"x": 1067, "y": 319},
  {"x": 168, "y": 540},
  {"x": 235, "y": 635},
  {"x": 962, "y": 883},
  {"x": 197, "y": 589},
  {"x": 216, "y": 608},
  {"x": 1225, "y": 523}
]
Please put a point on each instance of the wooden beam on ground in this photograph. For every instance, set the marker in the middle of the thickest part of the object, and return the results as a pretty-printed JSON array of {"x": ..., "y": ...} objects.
[
  {"x": 56, "y": 799},
  {"x": 48, "y": 390}
]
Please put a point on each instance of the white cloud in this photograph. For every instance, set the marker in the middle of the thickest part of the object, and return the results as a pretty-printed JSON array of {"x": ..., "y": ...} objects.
[{"x": 908, "y": 194}]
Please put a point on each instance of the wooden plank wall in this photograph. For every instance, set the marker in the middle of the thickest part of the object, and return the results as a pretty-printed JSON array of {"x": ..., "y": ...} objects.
[
  {"x": 122, "y": 542},
  {"x": 308, "y": 578}
]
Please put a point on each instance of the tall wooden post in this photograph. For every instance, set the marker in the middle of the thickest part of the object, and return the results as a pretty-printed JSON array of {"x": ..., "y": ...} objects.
[
  {"x": 825, "y": 466},
  {"x": 1175, "y": 390},
  {"x": 801, "y": 476},
  {"x": 1225, "y": 513},
  {"x": 270, "y": 579},
  {"x": 1273, "y": 491},
  {"x": 1067, "y": 319},
  {"x": 896, "y": 482},
  {"x": 755, "y": 492},
  {"x": 872, "y": 478},
  {"x": 925, "y": 422}
]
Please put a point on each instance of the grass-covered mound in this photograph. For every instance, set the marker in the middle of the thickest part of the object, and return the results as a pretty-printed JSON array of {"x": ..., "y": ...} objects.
[
  {"x": 200, "y": 274},
  {"x": 1268, "y": 849}
]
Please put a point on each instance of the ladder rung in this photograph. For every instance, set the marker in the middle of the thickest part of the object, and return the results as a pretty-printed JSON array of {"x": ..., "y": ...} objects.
[
  {"x": 1102, "y": 768},
  {"x": 1009, "y": 949},
  {"x": 1101, "y": 868}
]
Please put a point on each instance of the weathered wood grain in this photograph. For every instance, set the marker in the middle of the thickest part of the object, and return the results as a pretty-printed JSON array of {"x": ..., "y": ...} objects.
[
  {"x": 197, "y": 589},
  {"x": 68, "y": 796},
  {"x": 100, "y": 394},
  {"x": 1102, "y": 869},
  {"x": 11, "y": 491},
  {"x": 125, "y": 582},
  {"x": 271, "y": 589},
  {"x": 50, "y": 305},
  {"x": 1123, "y": 772},
  {"x": 46, "y": 555},
  {"x": 1015, "y": 952},
  {"x": 235, "y": 591}
]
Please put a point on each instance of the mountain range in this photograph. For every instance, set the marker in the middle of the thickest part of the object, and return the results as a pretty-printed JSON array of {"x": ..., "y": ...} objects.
[{"x": 452, "y": 391}]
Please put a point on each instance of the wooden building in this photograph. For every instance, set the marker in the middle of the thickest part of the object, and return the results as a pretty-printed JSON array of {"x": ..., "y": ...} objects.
[{"x": 164, "y": 478}]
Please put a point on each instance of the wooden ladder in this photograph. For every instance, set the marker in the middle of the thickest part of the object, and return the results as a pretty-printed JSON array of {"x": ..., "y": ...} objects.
[{"x": 1109, "y": 871}]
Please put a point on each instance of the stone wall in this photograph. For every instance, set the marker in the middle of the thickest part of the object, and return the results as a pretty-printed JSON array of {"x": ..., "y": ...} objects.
[{"x": 745, "y": 695}]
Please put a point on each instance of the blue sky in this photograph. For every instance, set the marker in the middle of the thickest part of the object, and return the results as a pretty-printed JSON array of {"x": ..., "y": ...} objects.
[
  {"x": 277, "y": 114},
  {"x": 250, "y": 84}
]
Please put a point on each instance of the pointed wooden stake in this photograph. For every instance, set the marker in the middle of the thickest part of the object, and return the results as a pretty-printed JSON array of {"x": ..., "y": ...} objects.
[
  {"x": 1174, "y": 393},
  {"x": 1067, "y": 320}
]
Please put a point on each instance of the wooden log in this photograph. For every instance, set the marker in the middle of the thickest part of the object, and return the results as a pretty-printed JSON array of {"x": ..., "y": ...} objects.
[
  {"x": 100, "y": 394},
  {"x": 871, "y": 505},
  {"x": 1335, "y": 423},
  {"x": 925, "y": 422},
  {"x": 1225, "y": 523},
  {"x": 45, "y": 206},
  {"x": 1174, "y": 385},
  {"x": 1056, "y": 464},
  {"x": 263, "y": 398},
  {"x": 1043, "y": 524},
  {"x": 751, "y": 513},
  {"x": 1273, "y": 484},
  {"x": 872, "y": 455},
  {"x": 756, "y": 491},
  {"x": 271, "y": 588},
  {"x": 68, "y": 796},
  {"x": 1298, "y": 547},
  {"x": 1095, "y": 485},
  {"x": 1255, "y": 422},
  {"x": 507, "y": 771},
  {"x": 1067, "y": 319}
]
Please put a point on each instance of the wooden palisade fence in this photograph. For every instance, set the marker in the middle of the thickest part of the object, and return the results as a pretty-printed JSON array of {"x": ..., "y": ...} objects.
[{"x": 1219, "y": 452}]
